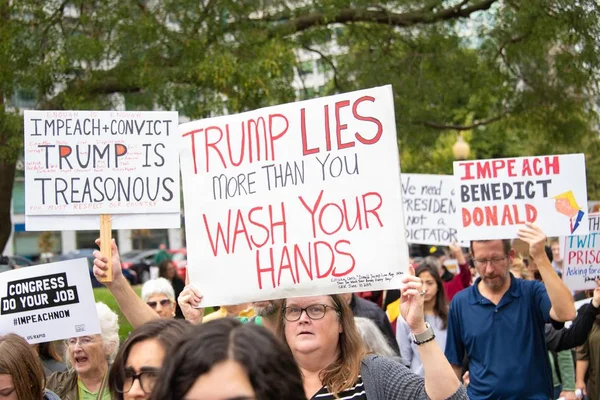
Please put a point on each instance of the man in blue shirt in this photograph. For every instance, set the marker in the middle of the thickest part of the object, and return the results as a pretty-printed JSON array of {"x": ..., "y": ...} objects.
[{"x": 499, "y": 322}]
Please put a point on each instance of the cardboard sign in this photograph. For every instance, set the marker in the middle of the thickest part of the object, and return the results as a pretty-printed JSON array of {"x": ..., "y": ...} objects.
[
  {"x": 48, "y": 302},
  {"x": 430, "y": 209},
  {"x": 99, "y": 162},
  {"x": 294, "y": 200},
  {"x": 581, "y": 261},
  {"x": 496, "y": 197}
]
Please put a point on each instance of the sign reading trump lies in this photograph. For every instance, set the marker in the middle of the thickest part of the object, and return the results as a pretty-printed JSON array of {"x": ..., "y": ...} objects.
[{"x": 293, "y": 200}]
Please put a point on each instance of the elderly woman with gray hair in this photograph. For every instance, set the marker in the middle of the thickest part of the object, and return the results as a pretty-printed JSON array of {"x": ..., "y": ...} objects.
[
  {"x": 160, "y": 296},
  {"x": 89, "y": 358},
  {"x": 373, "y": 339}
]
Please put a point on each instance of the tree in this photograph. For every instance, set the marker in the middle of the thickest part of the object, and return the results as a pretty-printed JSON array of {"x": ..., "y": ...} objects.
[{"x": 518, "y": 74}]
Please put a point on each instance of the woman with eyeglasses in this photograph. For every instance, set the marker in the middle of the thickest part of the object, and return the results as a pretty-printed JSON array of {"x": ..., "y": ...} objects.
[
  {"x": 159, "y": 295},
  {"x": 227, "y": 360},
  {"x": 139, "y": 360},
  {"x": 88, "y": 359},
  {"x": 322, "y": 335},
  {"x": 21, "y": 371}
]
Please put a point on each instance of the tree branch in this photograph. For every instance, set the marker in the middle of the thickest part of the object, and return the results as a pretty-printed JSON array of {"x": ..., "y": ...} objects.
[
  {"x": 331, "y": 64},
  {"x": 475, "y": 124},
  {"x": 347, "y": 15}
]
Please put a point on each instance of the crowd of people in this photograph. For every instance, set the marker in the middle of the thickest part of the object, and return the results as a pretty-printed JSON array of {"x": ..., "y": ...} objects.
[{"x": 493, "y": 328}]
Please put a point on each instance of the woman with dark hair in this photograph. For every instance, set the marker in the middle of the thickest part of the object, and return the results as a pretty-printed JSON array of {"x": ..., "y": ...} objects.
[
  {"x": 139, "y": 360},
  {"x": 435, "y": 307},
  {"x": 50, "y": 358},
  {"x": 322, "y": 335},
  {"x": 225, "y": 359},
  {"x": 167, "y": 270},
  {"x": 21, "y": 371}
]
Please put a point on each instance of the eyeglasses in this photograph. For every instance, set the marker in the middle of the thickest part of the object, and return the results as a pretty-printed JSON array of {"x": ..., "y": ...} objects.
[
  {"x": 495, "y": 261},
  {"x": 314, "y": 312},
  {"x": 147, "y": 379},
  {"x": 83, "y": 341},
  {"x": 163, "y": 303}
]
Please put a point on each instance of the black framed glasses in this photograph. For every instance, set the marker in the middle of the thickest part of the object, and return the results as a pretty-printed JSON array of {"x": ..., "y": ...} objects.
[
  {"x": 147, "y": 379},
  {"x": 163, "y": 303},
  {"x": 495, "y": 261},
  {"x": 313, "y": 311}
]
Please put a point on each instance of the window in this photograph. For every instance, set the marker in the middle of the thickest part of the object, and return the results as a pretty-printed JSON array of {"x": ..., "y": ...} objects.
[{"x": 306, "y": 67}]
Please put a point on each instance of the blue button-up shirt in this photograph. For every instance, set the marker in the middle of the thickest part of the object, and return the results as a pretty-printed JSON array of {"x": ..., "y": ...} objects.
[{"x": 505, "y": 343}]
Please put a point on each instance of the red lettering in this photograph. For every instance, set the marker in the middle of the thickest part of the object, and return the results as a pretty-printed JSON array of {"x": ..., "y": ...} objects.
[
  {"x": 491, "y": 216},
  {"x": 240, "y": 227},
  {"x": 552, "y": 164},
  {"x": 327, "y": 129},
  {"x": 285, "y": 264},
  {"x": 280, "y": 134},
  {"x": 466, "y": 217},
  {"x": 507, "y": 217},
  {"x": 252, "y": 123},
  {"x": 259, "y": 225},
  {"x": 281, "y": 223},
  {"x": 341, "y": 127},
  {"x": 372, "y": 210},
  {"x": 467, "y": 175},
  {"x": 359, "y": 117},
  {"x": 497, "y": 165},
  {"x": 318, "y": 264},
  {"x": 537, "y": 168},
  {"x": 348, "y": 254},
  {"x": 341, "y": 217},
  {"x": 298, "y": 258},
  {"x": 214, "y": 244},
  {"x": 312, "y": 211},
  {"x": 213, "y": 145},
  {"x": 530, "y": 213},
  {"x": 192, "y": 135},
  {"x": 511, "y": 167},
  {"x": 305, "y": 150},
  {"x": 243, "y": 138},
  {"x": 484, "y": 170},
  {"x": 526, "y": 168},
  {"x": 260, "y": 271}
]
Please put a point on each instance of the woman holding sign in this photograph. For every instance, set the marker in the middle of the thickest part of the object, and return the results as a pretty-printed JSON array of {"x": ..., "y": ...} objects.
[
  {"x": 89, "y": 358},
  {"x": 321, "y": 333}
]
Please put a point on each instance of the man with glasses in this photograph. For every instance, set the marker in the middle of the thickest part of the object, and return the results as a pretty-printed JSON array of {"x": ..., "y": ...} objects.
[{"x": 499, "y": 322}]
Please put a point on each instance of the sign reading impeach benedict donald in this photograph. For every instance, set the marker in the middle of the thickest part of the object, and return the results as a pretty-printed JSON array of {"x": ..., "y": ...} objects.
[
  {"x": 48, "y": 302},
  {"x": 496, "y": 197}
]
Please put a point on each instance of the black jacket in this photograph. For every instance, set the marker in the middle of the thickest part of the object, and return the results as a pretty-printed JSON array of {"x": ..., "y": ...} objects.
[
  {"x": 576, "y": 334},
  {"x": 367, "y": 309}
]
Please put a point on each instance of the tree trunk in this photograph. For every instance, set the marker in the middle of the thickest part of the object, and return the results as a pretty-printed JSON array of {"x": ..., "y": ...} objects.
[{"x": 7, "y": 179}]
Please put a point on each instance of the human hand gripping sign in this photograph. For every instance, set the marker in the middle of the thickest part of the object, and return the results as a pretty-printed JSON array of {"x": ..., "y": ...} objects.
[
  {"x": 535, "y": 238},
  {"x": 411, "y": 306},
  {"x": 189, "y": 300},
  {"x": 101, "y": 264}
]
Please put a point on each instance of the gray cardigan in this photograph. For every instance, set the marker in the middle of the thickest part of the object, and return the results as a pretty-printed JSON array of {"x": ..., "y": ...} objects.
[{"x": 385, "y": 379}]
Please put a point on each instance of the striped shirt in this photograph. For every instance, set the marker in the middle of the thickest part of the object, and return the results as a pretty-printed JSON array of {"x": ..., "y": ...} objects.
[{"x": 357, "y": 392}]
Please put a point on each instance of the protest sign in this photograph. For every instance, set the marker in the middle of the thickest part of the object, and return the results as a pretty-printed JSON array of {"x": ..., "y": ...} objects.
[
  {"x": 293, "y": 200},
  {"x": 429, "y": 209},
  {"x": 496, "y": 197},
  {"x": 86, "y": 163},
  {"x": 581, "y": 261},
  {"x": 48, "y": 302}
]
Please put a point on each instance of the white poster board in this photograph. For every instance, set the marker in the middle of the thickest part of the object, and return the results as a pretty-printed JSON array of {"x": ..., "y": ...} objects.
[
  {"x": 581, "y": 261},
  {"x": 430, "y": 209},
  {"x": 48, "y": 302},
  {"x": 294, "y": 200},
  {"x": 496, "y": 197},
  {"x": 80, "y": 164}
]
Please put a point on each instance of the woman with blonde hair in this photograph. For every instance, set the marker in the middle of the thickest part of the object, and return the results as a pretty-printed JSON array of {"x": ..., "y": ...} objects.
[
  {"x": 21, "y": 372},
  {"x": 321, "y": 333}
]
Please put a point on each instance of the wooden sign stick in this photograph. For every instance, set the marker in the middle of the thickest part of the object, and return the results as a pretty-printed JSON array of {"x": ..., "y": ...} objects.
[{"x": 105, "y": 244}]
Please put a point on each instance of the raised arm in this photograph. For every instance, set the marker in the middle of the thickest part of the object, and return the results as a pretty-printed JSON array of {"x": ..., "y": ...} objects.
[
  {"x": 563, "y": 306},
  {"x": 465, "y": 273},
  {"x": 133, "y": 307},
  {"x": 440, "y": 380}
]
